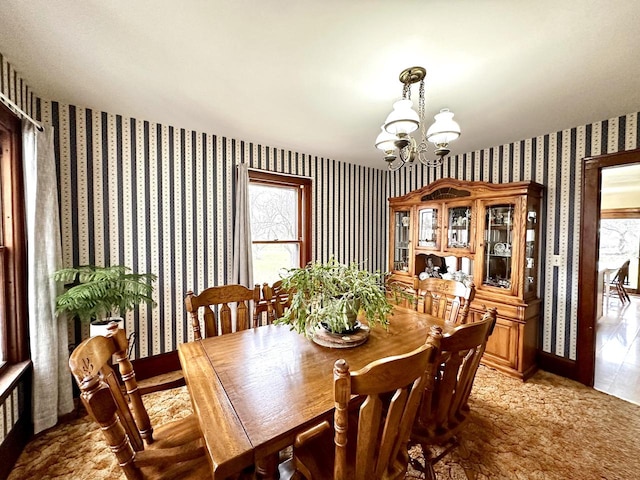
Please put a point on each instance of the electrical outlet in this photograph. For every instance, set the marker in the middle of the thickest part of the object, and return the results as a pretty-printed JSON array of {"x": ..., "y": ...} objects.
[{"x": 556, "y": 260}]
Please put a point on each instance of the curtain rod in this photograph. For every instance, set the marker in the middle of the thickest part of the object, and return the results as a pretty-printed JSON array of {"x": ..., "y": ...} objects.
[{"x": 7, "y": 101}]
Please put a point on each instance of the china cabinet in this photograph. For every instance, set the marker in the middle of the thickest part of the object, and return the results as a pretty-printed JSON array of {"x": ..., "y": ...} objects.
[
  {"x": 481, "y": 232},
  {"x": 401, "y": 240}
]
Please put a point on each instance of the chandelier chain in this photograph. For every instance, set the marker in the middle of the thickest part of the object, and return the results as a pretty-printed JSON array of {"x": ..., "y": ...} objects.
[
  {"x": 423, "y": 148},
  {"x": 406, "y": 91},
  {"x": 421, "y": 109}
]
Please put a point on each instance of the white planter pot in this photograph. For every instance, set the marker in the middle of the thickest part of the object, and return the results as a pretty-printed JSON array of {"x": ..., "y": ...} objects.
[{"x": 99, "y": 327}]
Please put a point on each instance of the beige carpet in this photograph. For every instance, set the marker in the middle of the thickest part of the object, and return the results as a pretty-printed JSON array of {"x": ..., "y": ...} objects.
[{"x": 547, "y": 428}]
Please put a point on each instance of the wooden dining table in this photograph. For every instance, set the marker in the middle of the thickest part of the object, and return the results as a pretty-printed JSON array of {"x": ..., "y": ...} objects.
[{"x": 255, "y": 390}]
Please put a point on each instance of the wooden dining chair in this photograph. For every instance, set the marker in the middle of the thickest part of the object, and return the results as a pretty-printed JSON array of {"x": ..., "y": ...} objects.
[
  {"x": 444, "y": 409},
  {"x": 278, "y": 300},
  {"x": 261, "y": 308},
  {"x": 219, "y": 298},
  {"x": 370, "y": 442},
  {"x": 621, "y": 277},
  {"x": 446, "y": 299},
  {"x": 173, "y": 450}
]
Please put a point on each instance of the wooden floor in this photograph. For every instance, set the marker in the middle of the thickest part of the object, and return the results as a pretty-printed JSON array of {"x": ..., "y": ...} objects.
[{"x": 618, "y": 349}]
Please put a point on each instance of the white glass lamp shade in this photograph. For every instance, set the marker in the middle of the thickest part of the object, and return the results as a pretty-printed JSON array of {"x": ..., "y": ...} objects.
[
  {"x": 445, "y": 129},
  {"x": 385, "y": 140},
  {"x": 402, "y": 119}
]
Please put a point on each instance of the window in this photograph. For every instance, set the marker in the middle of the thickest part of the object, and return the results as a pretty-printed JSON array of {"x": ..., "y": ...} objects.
[
  {"x": 13, "y": 312},
  {"x": 619, "y": 242},
  {"x": 280, "y": 223}
]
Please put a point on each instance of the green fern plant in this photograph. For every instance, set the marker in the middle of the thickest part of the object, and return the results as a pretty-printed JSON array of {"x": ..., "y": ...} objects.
[{"x": 99, "y": 292}]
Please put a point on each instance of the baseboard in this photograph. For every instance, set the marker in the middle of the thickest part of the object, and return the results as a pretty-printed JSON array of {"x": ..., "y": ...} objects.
[
  {"x": 156, "y": 365},
  {"x": 559, "y": 365}
]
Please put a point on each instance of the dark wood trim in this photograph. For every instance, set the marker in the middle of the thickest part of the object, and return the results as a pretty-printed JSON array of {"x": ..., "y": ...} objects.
[
  {"x": 558, "y": 365},
  {"x": 22, "y": 431},
  {"x": 14, "y": 444},
  {"x": 11, "y": 376},
  {"x": 278, "y": 178},
  {"x": 588, "y": 261},
  {"x": 620, "y": 213},
  {"x": 156, "y": 365},
  {"x": 13, "y": 235},
  {"x": 304, "y": 198}
]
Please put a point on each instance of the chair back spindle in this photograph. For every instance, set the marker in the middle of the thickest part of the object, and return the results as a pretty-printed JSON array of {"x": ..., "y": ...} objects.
[
  {"x": 449, "y": 300},
  {"x": 222, "y": 298},
  {"x": 278, "y": 300}
]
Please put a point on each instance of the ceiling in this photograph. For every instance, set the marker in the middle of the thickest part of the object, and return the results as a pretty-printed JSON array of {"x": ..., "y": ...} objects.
[
  {"x": 623, "y": 179},
  {"x": 319, "y": 77}
]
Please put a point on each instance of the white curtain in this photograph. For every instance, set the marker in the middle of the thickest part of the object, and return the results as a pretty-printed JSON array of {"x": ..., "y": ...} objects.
[
  {"x": 48, "y": 337},
  {"x": 242, "y": 253}
]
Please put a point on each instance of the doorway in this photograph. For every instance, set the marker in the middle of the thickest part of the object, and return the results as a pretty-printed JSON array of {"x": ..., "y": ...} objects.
[
  {"x": 617, "y": 368},
  {"x": 590, "y": 295}
]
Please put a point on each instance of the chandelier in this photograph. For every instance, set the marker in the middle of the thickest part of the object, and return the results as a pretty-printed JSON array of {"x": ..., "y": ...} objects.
[{"x": 399, "y": 147}]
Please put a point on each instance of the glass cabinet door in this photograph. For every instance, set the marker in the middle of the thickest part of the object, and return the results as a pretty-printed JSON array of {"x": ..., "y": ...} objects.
[
  {"x": 459, "y": 227},
  {"x": 402, "y": 226},
  {"x": 498, "y": 245},
  {"x": 429, "y": 228},
  {"x": 531, "y": 249}
]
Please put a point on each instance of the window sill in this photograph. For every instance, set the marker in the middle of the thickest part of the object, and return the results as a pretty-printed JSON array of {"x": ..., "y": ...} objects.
[{"x": 10, "y": 376}]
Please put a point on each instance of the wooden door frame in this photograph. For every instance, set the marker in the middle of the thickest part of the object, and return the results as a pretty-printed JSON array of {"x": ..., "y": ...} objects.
[{"x": 588, "y": 253}]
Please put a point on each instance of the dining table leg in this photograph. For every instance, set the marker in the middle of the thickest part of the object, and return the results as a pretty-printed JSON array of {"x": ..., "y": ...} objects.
[{"x": 267, "y": 467}]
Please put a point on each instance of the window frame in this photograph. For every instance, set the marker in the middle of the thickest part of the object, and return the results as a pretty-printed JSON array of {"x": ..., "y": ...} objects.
[
  {"x": 303, "y": 186},
  {"x": 13, "y": 247},
  {"x": 622, "y": 214}
]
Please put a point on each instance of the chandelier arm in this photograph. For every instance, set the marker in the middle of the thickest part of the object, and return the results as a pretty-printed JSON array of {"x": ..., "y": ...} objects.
[
  {"x": 399, "y": 166},
  {"x": 430, "y": 163}
]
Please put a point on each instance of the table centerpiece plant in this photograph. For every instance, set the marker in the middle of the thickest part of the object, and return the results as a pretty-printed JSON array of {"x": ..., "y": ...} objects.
[
  {"x": 331, "y": 294},
  {"x": 99, "y": 295}
]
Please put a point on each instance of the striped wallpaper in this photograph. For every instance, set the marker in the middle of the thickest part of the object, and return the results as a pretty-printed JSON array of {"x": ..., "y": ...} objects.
[
  {"x": 160, "y": 199},
  {"x": 553, "y": 160}
]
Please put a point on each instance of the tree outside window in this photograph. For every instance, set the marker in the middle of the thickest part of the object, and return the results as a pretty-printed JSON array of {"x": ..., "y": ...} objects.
[
  {"x": 280, "y": 224},
  {"x": 619, "y": 242}
]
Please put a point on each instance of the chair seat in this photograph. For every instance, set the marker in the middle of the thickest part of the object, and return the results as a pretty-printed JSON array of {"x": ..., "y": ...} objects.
[
  {"x": 178, "y": 434},
  {"x": 164, "y": 381},
  {"x": 440, "y": 434},
  {"x": 318, "y": 454}
]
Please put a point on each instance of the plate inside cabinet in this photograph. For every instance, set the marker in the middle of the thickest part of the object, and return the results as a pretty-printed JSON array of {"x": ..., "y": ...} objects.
[{"x": 499, "y": 248}]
